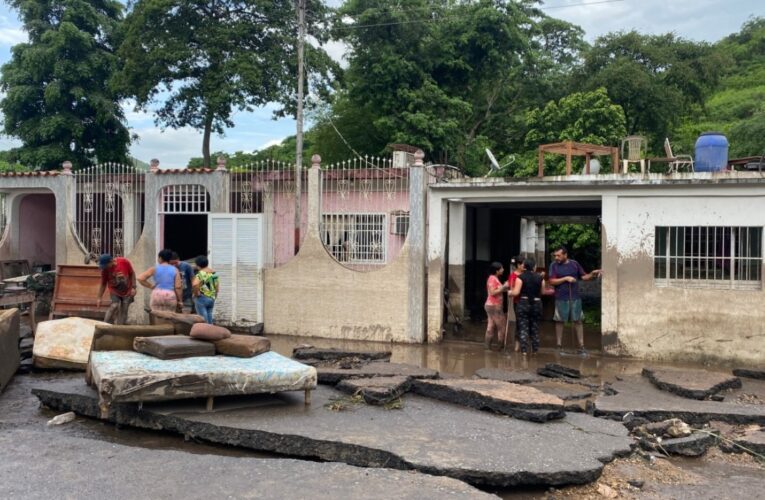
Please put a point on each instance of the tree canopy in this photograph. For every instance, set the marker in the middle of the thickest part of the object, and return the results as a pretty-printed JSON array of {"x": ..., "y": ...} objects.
[
  {"x": 57, "y": 101},
  {"x": 202, "y": 61}
]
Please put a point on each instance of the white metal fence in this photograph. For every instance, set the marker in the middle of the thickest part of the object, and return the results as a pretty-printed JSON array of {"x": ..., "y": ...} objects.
[
  {"x": 109, "y": 212},
  {"x": 364, "y": 211},
  {"x": 269, "y": 188}
]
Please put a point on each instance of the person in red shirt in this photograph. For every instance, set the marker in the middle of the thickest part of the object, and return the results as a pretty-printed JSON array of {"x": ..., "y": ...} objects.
[
  {"x": 496, "y": 317},
  {"x": 117, "y": 274}
]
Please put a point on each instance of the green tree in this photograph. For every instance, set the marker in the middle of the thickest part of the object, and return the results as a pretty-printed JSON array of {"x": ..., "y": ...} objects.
[
  {"x": 204, "y": 60},
  {"x": 588, "y": 117},
  {"x": 57, "y": 99},
  {"x": 435, "y": 74},
  {"x": 737, "y": 106},
  {"x": 657, "y": 79}
]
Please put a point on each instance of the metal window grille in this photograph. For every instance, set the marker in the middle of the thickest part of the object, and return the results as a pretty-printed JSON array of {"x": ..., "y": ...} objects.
[
  {"x": 355, "y": 238},
  {"x": 109, "y": 212},
  {"x": 185, "y": 199},
  {"x": 365, "y": 211},
  {"x": 725, "y": 257}
]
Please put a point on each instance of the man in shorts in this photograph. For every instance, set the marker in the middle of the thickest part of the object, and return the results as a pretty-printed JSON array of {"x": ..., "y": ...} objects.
[
  {"x": 564, "y": 275},
  {"x": 187, "y": 276},
  {"x": 118, "y": 275}
]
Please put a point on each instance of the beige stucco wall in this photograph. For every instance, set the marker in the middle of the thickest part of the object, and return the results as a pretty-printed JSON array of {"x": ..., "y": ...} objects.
[{"x": 682, "y": 323}]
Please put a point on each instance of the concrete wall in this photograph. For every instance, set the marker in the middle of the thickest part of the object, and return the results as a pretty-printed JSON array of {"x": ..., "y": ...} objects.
[
  {"x": 682, "y": 323},
  {"x": 638, "y": 319},
  {"x": 314, "y": 295}
]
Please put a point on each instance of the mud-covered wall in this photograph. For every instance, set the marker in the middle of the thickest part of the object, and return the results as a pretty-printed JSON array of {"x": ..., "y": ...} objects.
[
  {"x": 672, "y": 322},
  {"x": 314, "y": 295}
]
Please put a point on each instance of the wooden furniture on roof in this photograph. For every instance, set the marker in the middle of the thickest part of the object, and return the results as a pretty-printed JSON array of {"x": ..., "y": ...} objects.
[
  {"x": 571, "y": 148},
  {"x": 75, "y": 293}
]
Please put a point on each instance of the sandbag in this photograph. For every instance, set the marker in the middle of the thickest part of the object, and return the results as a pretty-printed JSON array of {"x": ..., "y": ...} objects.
[
  {"x": 173, "y": 347},
  {"x": 242, "y": 346},
  {"x": 64, "y": 343},
  {"x": 204, "y": 331}
]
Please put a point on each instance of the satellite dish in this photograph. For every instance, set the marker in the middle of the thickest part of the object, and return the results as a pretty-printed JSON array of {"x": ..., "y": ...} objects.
[{"x": 494, "y": 162}]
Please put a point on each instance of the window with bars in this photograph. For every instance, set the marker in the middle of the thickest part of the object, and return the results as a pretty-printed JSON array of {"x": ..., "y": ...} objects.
[
  {"x": 355, "y": 238},
  {"x": 728, "y": 257},
  {"x": 185, "y": 199}
]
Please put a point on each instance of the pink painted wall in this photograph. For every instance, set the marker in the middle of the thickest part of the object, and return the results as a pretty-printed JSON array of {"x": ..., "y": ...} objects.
[
  {"x": 37, "y": 229},
  {"x": 283, "y": 228}
]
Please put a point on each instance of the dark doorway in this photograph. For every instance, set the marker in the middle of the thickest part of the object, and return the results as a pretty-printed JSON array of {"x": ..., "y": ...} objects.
[{"x": 186, "y": 234}]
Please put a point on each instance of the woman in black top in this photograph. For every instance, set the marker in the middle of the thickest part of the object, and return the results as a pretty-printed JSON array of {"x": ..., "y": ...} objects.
[{"x": 528, "y": 286}]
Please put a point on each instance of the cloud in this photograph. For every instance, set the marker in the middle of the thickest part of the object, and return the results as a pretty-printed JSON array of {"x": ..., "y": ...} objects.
[{"x": 12, "y": 36}]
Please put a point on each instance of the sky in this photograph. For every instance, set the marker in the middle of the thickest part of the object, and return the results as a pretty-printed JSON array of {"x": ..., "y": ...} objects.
[{"x": 702, "y": 20}]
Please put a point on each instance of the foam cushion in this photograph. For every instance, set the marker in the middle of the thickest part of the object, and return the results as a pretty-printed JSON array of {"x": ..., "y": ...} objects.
[
  {"x": 173, "y": 347},
  {"x": 204, "y": 331},
  {"x": 242, "y": 346}
]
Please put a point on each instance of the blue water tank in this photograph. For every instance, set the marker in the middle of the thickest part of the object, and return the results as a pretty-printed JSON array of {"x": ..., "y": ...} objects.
[{"x": 711, "y": 152}]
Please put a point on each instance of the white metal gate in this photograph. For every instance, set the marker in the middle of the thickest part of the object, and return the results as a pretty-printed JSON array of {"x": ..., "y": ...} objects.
[{"x": 236, "y": 255}]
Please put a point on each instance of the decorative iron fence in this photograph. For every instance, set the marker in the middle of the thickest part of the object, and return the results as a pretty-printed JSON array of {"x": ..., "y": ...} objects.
[
  {"x": 364, "y": 216},
  {"x": 109, "y": 213},
  {"x": 269, "y": 188}
]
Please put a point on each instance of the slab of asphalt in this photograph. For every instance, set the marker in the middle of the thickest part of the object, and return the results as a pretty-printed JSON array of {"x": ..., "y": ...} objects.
[
  {"x": 638, "y": 397},
  {"x": 693, "y": 384},
  {"x": 86, "y": 468},
  {"x": 426, "y": 435},
  {"x": 328, "y": 375},
  {"x": 515, "y": 400},
  {"x": 376, "y": 390}
]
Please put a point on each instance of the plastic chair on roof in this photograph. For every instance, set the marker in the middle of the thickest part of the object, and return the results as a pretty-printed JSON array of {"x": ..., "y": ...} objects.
[{"x": 637, "y": 147}]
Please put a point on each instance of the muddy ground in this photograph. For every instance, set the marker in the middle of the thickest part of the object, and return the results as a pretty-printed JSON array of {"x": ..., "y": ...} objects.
[{"x": 715, "y": 475}]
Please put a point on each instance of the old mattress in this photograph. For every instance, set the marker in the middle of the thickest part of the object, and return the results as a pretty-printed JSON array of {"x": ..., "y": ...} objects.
[
  {"x": 64, "y": 343},
  {"x": 125, "y": 376}
]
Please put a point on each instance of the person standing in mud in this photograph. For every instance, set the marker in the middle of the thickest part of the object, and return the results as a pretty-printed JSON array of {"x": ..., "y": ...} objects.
[
  {"x": 517, "y": 265},
  {"x": 564, "y": 275},
  {"x": 495, "y": 316},
  {"x": 528, "y": 288},
  {"x": 118, "y": 275},
  {"x": 187, "y": 276}
]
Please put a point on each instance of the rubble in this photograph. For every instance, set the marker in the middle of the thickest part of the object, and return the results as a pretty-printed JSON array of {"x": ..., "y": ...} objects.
[
  {"x": 752, "y": 441},
  {"x": 640, "y": 399},
  {"x": 329, "y": 375},
  {"x": 694, "y": 445},
  {"x": 749, "y": 373},
  {"x": 425, "y": 435},
  {"x": 554, "y": 370},
  {"x": 62, "y": 419},
  {"x": 693, "y": 384},
  {"x": 563, "y": 390},
  {"x": 515, "y": 400},
  {"x": 330, "y": 354},
  {"x": 376, "y": 390}
]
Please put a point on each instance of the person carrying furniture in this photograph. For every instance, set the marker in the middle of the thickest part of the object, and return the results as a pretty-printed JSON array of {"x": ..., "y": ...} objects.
[{"x": 117, "y": 274}]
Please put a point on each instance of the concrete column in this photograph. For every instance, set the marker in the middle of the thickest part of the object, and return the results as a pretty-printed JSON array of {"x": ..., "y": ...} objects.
[
  {"x": 610, "y": 259},
  {"x": 314, "y": 198},
  {"x": 417, "y": 296},
  {"x": 436, "y": 230},
  {"x": 66, "y": 211},
  {"x": 457, "y": 218}
]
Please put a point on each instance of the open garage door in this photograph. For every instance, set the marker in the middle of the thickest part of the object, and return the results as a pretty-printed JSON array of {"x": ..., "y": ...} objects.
[{"x": 236, "y": 254}]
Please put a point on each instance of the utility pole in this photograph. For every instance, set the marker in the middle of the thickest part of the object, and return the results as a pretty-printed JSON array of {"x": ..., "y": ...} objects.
[{"x": 299, "y": 120}]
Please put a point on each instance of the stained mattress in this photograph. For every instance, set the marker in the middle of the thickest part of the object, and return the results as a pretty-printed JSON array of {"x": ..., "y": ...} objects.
[{"x": 126, "y": 376}]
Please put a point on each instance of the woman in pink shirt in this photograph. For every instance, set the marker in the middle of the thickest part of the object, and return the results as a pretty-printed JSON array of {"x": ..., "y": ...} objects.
[{"x": 496, "y": 317}]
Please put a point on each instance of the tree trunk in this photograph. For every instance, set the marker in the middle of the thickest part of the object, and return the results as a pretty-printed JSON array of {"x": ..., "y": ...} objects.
[{"x": 206, "y": 142}]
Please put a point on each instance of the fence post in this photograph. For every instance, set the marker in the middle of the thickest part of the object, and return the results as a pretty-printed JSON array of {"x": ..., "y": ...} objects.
[
  {"x": 416, "y": 238},
  {"x": 221, "y": 163},
  {"x": 314, "y": 196},
  {"x": 154, "y": 166}
]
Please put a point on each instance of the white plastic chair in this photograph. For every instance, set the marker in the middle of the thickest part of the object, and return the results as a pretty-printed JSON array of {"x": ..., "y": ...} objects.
[
  {"x": 677, "y": 161},
  {"x": 637, "y": 147}
]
